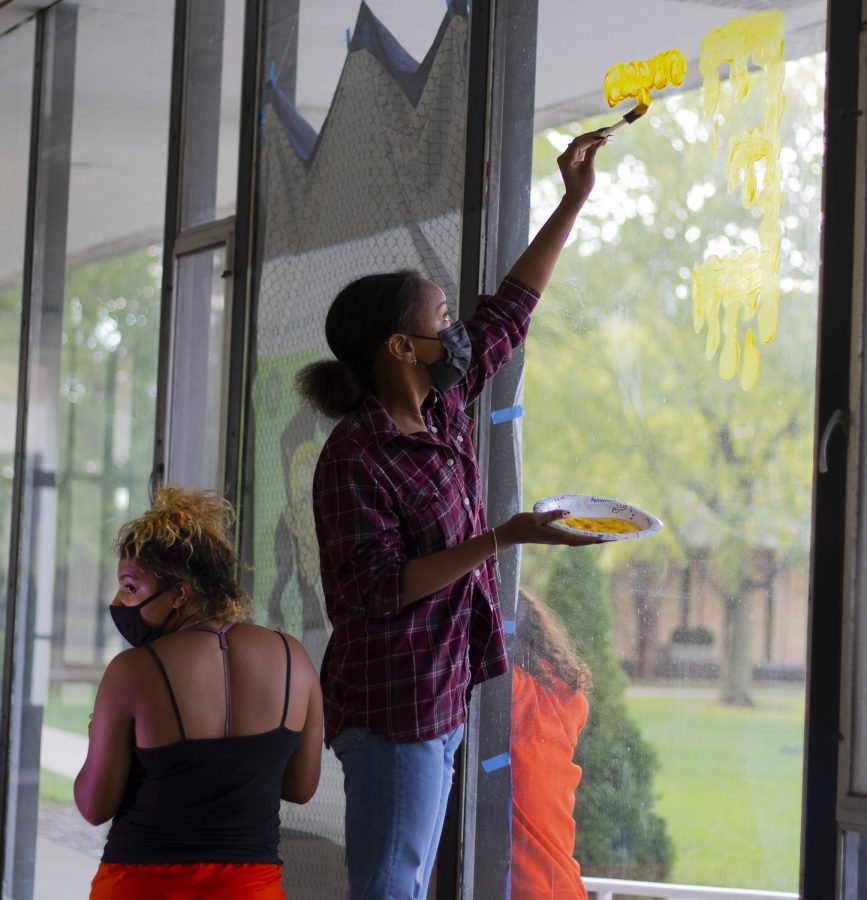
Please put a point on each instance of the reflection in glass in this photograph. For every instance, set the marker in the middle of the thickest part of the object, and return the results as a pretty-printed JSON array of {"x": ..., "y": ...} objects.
[
  {"x": 212, "y": 106},
  {"x": 854, "y": 865},
  {"x": 692, "y": 759},
  {"x": 199, "y": 371},
  {"x": 16, "y": 74}
]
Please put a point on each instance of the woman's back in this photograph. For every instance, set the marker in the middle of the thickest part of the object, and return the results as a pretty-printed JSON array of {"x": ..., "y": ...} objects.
[
  {"x": 194, "y": 665},
  {"x": 213, "y": 733}
]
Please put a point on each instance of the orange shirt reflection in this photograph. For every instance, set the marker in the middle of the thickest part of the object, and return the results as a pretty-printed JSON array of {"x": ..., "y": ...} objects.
[{"x": 546, "y": 723}]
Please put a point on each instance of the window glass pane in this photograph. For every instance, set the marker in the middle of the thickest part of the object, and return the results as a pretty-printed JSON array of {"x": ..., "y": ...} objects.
[
  {"x": 16, "y": 74},
  {"x": 362, "y": 171},
  {"x": 199, "y": 370},
  {"x": 102, "y": 174},
  {"x": 854, "y": 865},
  {"x": 212, "y": 109},
  {"x": 671, "y": 366}
]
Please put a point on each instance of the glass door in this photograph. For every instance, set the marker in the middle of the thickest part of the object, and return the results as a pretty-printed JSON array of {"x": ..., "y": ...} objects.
[{"x": 198, "y": 381}]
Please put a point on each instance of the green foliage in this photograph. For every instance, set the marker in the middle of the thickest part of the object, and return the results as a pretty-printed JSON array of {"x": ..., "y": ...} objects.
[
  {"x": 698, "y": 637},
  {"x": 105, "y": 427},
  {"x": 618, "y": 832}
]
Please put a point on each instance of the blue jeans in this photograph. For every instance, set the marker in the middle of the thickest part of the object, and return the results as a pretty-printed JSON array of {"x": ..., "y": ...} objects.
[{"x": 396, "y": 795}]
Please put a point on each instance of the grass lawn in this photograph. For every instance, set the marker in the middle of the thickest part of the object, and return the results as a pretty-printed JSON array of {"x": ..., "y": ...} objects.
[
  {"x": 70, "y": 713},
  {"x": 728, "y": 785},
  {"x": 54, "y": 787}
]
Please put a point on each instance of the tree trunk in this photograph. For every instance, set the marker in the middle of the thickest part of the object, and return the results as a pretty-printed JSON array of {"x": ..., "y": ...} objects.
[
  {"x": 646, "y": 598},
  {"x": 737, "y": 689}
]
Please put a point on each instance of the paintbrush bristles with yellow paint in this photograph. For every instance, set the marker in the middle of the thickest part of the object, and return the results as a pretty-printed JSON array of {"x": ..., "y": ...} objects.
[{"x": 628, "y": 119}]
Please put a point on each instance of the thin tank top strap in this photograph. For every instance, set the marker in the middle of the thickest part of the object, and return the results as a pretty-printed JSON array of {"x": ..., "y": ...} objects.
[
  {"x": 165, "y": 675},
  {"x": 288, "y": 679},
  {"x": 224, "y": 647}
]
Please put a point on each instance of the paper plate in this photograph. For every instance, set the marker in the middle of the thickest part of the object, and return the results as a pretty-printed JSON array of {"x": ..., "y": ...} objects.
[{"x": 617, "y": 521}]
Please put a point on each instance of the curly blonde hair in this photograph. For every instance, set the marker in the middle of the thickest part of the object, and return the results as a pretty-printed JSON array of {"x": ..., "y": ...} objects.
[{"x": 184, "y": 538}]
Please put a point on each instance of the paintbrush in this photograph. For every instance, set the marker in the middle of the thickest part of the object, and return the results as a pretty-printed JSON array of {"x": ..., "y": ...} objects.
[{"x": 628, "y": 119}]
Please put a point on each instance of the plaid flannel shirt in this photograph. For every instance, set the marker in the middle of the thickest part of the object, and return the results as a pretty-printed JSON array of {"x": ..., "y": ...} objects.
[{"x": 381, "y": 498}]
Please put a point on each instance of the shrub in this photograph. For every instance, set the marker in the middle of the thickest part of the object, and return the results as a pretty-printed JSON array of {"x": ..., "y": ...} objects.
[{"x": 699, "y": 637}]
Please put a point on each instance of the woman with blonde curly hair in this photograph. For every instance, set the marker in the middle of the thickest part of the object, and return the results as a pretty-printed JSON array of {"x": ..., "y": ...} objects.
[{"x": 202, "y": 726}]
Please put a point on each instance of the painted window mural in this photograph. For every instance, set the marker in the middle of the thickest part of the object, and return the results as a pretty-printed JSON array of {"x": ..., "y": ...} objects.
[{"x": 671, "y": 364}]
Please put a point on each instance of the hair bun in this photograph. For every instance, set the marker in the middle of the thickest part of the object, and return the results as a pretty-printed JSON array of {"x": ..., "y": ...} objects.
[
  {"x": 330, "y": 386},
  {"x": 193, "y": 510}
]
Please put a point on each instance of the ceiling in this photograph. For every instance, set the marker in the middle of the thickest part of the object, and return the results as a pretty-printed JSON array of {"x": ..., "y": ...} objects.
[{"x": 122, "y": 75}]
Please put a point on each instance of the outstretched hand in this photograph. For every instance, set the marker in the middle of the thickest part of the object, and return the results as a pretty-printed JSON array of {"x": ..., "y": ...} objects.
[
  {"x": 534, "y": 528},
  {"x": 577, "y": 165}
]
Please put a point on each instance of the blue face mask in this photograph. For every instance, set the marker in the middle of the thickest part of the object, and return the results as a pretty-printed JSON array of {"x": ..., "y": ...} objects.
[
  {"x": 133, "y": 628},
  {"x": 455, "y": 340}
]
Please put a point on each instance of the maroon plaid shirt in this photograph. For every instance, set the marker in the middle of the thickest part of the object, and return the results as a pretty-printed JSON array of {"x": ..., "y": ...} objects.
[{"x": 381, "y": 498}]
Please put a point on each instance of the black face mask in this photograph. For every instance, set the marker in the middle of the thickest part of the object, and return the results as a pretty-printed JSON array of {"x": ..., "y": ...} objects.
[
  {"x": 133, "y": 628},
  {"x": 446, "y": 373}
]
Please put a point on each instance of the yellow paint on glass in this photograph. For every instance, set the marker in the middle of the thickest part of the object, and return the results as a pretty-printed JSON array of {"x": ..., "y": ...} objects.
[
  {"x": 752, "y": 362},
  {"x": 600, "y": 524},
  {"x": 639, "y": 77},
  {"x": 738, "y": 287}
]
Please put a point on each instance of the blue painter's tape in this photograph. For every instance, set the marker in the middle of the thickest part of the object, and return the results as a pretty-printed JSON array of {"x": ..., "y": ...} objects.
[
  {"x": 272, "y": 72},
  {"x": 496, "y": 762},
  {"x": 348, "y": 37},
  {"x": 509, "y": 626},
  {"x": 507, "y": 414}
]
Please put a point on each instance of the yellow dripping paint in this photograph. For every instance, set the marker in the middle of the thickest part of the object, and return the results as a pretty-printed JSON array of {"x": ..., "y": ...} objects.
[
  {"x": 744, "y": 285},
  {"x": 600, "y": 524},
  {"x": 752, "y": 362},
  {"x": 639, "y": 77}
]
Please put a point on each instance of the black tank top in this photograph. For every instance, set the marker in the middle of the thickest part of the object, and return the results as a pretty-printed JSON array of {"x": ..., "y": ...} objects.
[{"x": 205, "y": 799}]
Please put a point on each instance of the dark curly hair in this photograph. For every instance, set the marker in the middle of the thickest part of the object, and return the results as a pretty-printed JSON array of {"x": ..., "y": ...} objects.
[{"x": 184, "y": 539}]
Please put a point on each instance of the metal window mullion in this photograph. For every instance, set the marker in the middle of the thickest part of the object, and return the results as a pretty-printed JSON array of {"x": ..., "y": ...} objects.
[
  {"x": 456, "y": 856},
  {"x": 170, "y": 230},
  {"x": 20, "y": 451},
  {"x": 41, "y": 326},
  {"x": 832, "y": 488},
  {"x": 241, "y": 263},
  {"x": 203, "y": 237},
  {"x": 513, "y": 82},
  {"x": 852, "y": 805}
]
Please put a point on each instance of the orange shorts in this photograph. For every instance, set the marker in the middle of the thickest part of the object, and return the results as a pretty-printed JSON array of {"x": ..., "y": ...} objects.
[{"x": 187, "y": 881}]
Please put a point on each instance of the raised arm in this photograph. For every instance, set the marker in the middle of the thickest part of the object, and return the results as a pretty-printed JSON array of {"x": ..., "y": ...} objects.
[{"x": 576, "y": 163}]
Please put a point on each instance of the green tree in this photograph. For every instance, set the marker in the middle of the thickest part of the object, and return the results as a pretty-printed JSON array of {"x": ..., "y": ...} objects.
[{"x": 618, "y": 834}]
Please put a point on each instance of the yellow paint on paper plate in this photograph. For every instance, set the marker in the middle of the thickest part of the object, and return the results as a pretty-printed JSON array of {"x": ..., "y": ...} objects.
[{"x": 600, "y": 524}]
